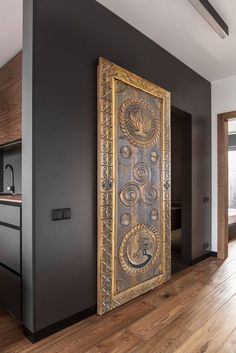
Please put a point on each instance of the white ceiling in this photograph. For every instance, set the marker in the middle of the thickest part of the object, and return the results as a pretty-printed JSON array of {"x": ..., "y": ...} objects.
[
  {"x": 173, "y": 24},
  {"x": 177, "y": 27},
  {"x": 11, "y": 13}
]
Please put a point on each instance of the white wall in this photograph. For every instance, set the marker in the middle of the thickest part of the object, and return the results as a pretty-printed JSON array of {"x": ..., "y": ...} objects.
[{"x": 223, "y": 100}]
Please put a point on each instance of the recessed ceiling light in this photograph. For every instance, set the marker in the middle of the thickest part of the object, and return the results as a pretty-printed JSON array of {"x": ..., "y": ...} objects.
[{"x": 208, "y": 12}]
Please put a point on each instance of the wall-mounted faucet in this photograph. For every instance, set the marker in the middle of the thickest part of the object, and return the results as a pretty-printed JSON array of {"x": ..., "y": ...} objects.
[{"x": 11, "y": 187}]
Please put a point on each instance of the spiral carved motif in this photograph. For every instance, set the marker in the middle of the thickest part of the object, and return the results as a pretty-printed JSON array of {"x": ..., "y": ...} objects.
[
  {"x": 141, "y": 173},
  {"x": 130, "y": 194},
  {"x": 151, "y": 194}
]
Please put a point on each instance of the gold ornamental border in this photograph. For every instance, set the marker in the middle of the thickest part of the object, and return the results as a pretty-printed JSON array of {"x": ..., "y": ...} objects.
[{"x": 107, "y": 298}]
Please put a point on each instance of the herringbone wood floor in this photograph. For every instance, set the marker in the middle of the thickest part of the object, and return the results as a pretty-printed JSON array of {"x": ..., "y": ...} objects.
[{"x": 193, "y": 313}]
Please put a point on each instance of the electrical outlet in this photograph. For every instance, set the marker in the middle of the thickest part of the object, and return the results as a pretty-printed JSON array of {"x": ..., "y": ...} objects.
[{"x": 206, "y": 246}]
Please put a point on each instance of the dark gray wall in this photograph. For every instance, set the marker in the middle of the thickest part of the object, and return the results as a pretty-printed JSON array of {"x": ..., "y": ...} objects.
[
  {"x": 178, "y": 147},
  {"x": 14, "y": 158},
  {"x": 28, "y": 234},
  {"x": 181, "y": 176},
  {"x": 68, "y": 38}
]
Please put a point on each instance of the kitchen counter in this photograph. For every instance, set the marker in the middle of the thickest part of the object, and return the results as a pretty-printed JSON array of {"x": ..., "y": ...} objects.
[{"x": 11, "y": 198}]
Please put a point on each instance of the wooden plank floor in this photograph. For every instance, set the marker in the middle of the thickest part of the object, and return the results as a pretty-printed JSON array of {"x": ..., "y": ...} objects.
[{"x": 194, "y": 313}]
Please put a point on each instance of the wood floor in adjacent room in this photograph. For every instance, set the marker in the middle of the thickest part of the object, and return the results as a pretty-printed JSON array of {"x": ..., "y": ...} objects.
[{"x": 195, "y": 312}]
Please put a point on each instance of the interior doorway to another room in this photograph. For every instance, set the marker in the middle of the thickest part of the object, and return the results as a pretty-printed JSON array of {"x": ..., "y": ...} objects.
[
  {"x": 232, "y": 179},
  {"x": 181, "y": 189},
  {"x": 226, "y": 181}
]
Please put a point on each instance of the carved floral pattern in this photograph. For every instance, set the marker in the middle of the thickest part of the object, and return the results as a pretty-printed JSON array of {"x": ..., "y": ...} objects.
[
  {"x": 139, "y": 123},
  {"x": 139, "y": 249}
]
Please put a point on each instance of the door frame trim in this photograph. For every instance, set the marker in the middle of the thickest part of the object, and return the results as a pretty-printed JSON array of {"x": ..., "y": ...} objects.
[{"x": 222, "y": 152}]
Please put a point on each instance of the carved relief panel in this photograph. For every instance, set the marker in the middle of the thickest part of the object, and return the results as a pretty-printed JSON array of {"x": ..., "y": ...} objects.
[{"x": 133, "y": 186}]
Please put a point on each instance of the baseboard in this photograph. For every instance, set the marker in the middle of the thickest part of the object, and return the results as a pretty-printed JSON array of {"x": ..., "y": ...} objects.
[
  {"x": 60, "y": 325},
  {"x": 203, "y": 257},
  {"x": 214, "y": 253}
]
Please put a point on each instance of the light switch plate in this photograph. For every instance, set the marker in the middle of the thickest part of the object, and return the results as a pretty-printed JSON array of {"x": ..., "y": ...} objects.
[{"x": 59, "y": 214}]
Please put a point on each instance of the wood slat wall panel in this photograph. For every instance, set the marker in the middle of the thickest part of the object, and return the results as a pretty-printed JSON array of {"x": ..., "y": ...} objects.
[{"x": 11, "y": 100}]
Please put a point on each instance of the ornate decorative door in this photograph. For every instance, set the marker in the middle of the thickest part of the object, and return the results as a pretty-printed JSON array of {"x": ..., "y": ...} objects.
[{"x": 133, "y": 186}]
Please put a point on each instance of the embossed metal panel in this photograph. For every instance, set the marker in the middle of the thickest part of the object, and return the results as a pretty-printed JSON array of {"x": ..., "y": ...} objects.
[{"x": 133, "y": 186}]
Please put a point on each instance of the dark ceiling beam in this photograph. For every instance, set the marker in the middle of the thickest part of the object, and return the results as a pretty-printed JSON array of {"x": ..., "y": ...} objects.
[{"x": 209, "y": 13}]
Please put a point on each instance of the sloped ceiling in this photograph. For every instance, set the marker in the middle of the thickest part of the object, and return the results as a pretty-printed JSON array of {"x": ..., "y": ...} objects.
[
  {"x": 173, "y": 24},
  {"x": 11, "y": 13},
  {"x": 177, "y": 27}
]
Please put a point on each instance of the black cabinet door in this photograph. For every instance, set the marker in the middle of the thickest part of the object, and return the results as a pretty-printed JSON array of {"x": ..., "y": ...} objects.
[
  {"x": 10, "y": 292},
  {"x": 10, "y": 248},
  {"x": 10, "y": 214}
]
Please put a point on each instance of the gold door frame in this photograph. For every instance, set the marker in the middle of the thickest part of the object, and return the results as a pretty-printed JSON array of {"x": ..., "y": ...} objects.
[{"x": 107, "y": 178}]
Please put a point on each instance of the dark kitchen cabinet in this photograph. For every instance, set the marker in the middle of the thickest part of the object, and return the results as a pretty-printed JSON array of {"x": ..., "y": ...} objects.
[
  {"x": 10, "y": 257},
  {"x": 10, "y": 239},
  {"x": 10, "y": 291}
]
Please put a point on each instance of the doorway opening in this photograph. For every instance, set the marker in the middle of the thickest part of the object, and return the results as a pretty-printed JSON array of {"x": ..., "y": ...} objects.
[
  {"x": 181, "y": 189},
  {"x": 232, "y": 179},
  {"x": 226, "y": 181}
]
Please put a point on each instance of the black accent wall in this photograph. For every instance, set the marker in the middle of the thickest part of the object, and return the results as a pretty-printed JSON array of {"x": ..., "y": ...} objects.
[
  {"x": 181, "y": 177},
  {"x": 63, "y": 40}
]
